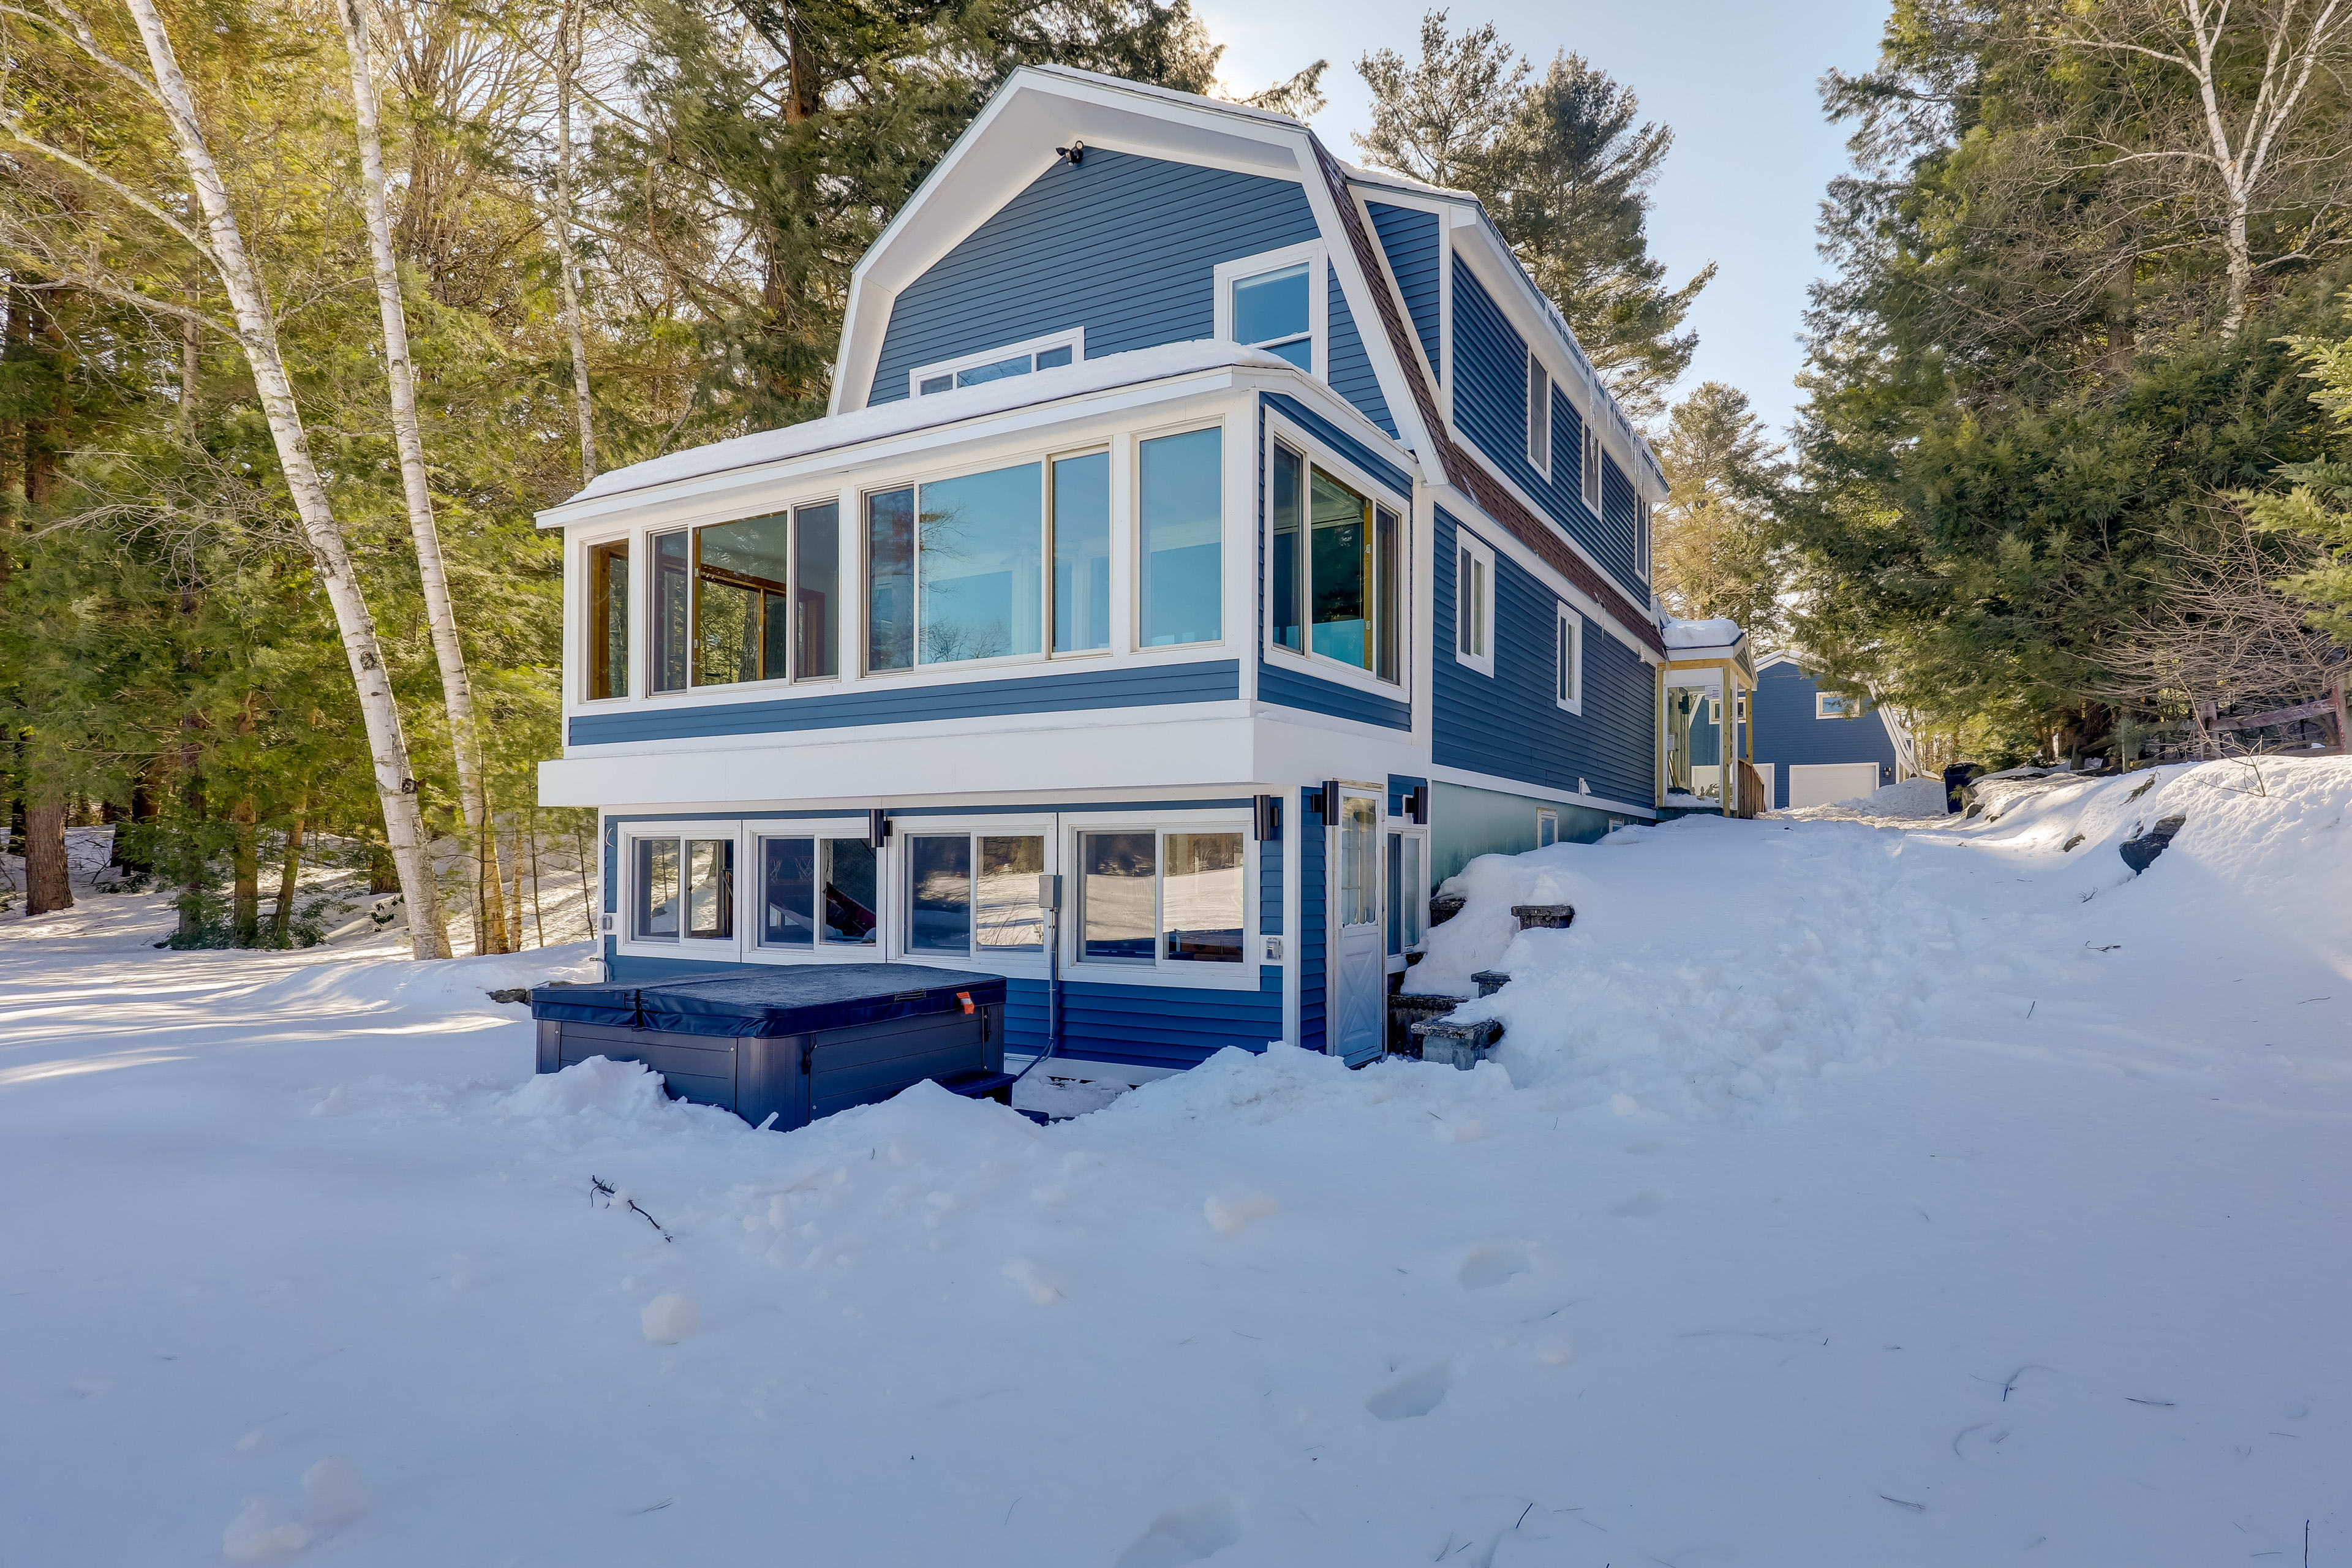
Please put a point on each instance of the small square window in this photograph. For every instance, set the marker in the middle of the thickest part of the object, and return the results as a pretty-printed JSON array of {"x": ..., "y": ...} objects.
[{"x": 1275, "y": 311}]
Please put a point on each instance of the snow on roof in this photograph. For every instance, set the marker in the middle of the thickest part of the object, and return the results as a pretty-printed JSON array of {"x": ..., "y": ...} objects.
[
  {"x": 1717, "y": 633},
  {"x": 1403, "y": 182},
  {"x": 879, "y": 420}
]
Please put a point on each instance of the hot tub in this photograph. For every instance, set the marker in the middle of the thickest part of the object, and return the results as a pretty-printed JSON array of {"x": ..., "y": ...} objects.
[{"x": 795, "y": 1042}]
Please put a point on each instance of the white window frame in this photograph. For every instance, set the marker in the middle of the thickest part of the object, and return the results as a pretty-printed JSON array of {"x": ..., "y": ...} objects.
[
  {"x": 863, "y": 543},
  {"x": 1159, "y": 971},
  {"x": 1131, "y": 520},
  {"x": 998, "y": 960},
  {"x": 1589, "y": 477},
  {"x": 1538, "y": 433},
  {"x": 1547, "y": 819},
  {"x": 633, "y": 612},
  {"x": 1480, "y": 552},
  {"x": 1318, "y": 294},
  {"x": 1570, "y": 634},
  {"x": 685, "y": 948},
  {"x": 1821, "y": 700},
  {"x": 1642, "y": 538},
  {"x": 1074, "y": 339},
  {"x": 883, "y": 947},
  {"x": 1315, "y": 455}
]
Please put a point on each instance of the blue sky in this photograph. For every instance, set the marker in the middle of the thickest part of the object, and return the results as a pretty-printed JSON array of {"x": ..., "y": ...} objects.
[{"x": 1752, "y": 154}]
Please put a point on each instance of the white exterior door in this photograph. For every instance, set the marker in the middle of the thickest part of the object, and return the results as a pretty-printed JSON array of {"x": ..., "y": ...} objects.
[
  {"x": 1823, "y": 784},
  {"x": 1359, "y": 980}
]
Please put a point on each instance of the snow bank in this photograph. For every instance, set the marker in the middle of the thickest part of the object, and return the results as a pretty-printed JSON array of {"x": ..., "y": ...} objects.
[{"x": 1911, "y": 798}]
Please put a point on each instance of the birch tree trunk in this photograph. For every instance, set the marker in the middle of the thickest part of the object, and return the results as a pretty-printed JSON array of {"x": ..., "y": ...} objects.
[
  {"x": 256, "y": 332},
  {"x": 567, "y": 61},
  {"x": 440, "y": 613}
]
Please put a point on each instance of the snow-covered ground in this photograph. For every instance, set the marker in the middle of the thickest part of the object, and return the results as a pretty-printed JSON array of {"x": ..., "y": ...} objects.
[{"x": 1845, "y": 1193}]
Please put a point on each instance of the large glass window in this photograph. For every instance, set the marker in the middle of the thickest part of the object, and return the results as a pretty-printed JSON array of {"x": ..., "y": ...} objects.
[
  {"x": 852, "y": 892},
  {"x": 974, "y": 893},
  {"x": 1082, "y": 552},
  {"x": 816, "y": 580},
  {"x": 605, "y": 612},
  {"x": 1182, "y": 523},
  {"x": 890, "y": 580},
  {"x": 741, "y": 610},
  {"x": 1334, "y": 569},
  {"x": 673, "y": 608},
  {"x": 980, "y": 567},
  {"x": 815, "y": 891},
  {"x": 1275, "y": 311},
  {"x": 788, "y": 892},
  {"x": 683, "y": 887},
  {"x": 1173, "y": 898}
]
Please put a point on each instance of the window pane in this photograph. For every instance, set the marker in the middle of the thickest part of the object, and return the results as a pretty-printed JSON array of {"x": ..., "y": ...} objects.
[
  {"x": 727, "y": 625},
  {"x": 1387, "y": 573},
  {"x": 1271, "y": 306},
  {"x": 673, "y": 611},
  {"x": 1342, "y": 559},
  {"x": 654, "y": 918},
  {"x": 1539, "y": 414},
  {"x": 851, "y": 906},
  {"x": 1203, "y": 898},
  {"x": 740, "y": 569},
  {"x": 1052, "y": 359},
  {"x": 939, "y": 881},
  {"x": 1285, "y": 572},
  {"x": 1462, "y": 615},
  {"x": 788, "y": 892},
  {"x": 1010, "y": 917},
  {"x": 1082, "y": 552},
  {"x": 1299, "y": 352},
  {"x": 1016, "y": 366},
  {"x": 1479, "y": 601},
  {"x": 1396, "y": 903},
  {"x": 938, "y": 382},
  {"x": 1181, "y": 524},
  {"x": 607, "y": 614},
  {"x": 1117, "y": 894},
  {"x": 890, "y": 580},
  {"x": 816, "y": 582},
  {"x": 1360, "y": 876},
  {"x": 710, "y": 888},
  {"x": 1410, "y": 892},
  {"x": 981, "y": 565}
]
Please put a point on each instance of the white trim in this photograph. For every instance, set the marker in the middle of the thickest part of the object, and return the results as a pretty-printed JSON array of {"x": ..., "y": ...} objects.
[
  {"x": 1568, "y": 635},
  {"x": 748, "y": 881},
  {"x": 1315, "y": 257},
  {"x": 1157, "y": 971},
  {"x": 1319, "y": 454},
  {"x": 627, "y": 943},
  {"x": 1590, "y": 489},
  {"x": 1074, "y": 339},
  {"x": 1474, "y": 601},
  {"x": 1547, "y": 815},
  {"x": 1472, "y": 779},
  {"x": 1821, "y": 698},
  {"x": 1011, "y": 961}
]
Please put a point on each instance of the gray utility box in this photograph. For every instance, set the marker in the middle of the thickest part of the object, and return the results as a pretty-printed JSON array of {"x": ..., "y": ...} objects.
[{"x": 798, "y": 1041}]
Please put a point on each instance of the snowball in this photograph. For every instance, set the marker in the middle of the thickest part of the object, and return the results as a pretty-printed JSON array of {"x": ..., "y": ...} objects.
[
  {"x": 1041, "y": 1284},
  {"x": 1232, "y": 1215},
  {"x": 332, "y": 1493},
  {"x": 670, "y": 1319},
  {"x": 261, "y": 1534}
]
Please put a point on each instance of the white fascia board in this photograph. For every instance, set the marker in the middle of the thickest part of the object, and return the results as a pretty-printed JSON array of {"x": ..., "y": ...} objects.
[
  {"x": 1501, "y": 785},
  {"x": 1467, "y": 511},
  {"x": 701, "y": 492},
  {"x": 1357, "y": 288},
  {"x": 1011, "y": 144}
]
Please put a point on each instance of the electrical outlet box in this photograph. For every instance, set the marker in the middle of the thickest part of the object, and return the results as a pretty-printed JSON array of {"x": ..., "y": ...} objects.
[{"x": 1274, "y": 950}]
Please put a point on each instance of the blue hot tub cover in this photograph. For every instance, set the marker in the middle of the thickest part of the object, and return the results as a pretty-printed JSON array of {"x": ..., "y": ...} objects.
[{"x": 773, "y": 1001}]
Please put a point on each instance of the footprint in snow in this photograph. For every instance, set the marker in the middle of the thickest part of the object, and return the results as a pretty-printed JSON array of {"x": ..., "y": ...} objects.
[
  {"x": 1419, "y": 1395},
  {"x": 1488, "y": 1266},
  {"x": 1185, "y": 1535}
]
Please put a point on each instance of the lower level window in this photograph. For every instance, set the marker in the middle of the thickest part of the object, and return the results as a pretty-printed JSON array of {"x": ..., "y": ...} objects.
[
  {"x": 974, "y": 893},
  {"x": 685, "y": 887},
  {"x": 1547, "y": 830},
  {"x": 1149, "y": 896},
  {"x": 815, "y": 891}
]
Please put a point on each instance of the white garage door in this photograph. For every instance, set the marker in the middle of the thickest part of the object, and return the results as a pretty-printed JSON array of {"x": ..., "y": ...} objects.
[{"x": 1820, "y": 784}]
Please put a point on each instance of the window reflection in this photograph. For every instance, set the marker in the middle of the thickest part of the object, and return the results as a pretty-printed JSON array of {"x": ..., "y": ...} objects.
[
  {"x": 980, "y": 565},
  {"x": 655, "y": 915},
  {"x": 1008, "y": 917},
  {"x": 1203, "y": 898},
  {"x": 851, "y": 903},
  {"x": 1119, "y": 895},
  {"x": 1181, "y": 528},
  {"x": 788, "y": 892},
  {"x": 939, "y": 916}
]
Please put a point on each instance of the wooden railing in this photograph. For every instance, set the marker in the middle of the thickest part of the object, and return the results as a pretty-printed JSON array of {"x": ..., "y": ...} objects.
[{"x": 1751, "y": 792}]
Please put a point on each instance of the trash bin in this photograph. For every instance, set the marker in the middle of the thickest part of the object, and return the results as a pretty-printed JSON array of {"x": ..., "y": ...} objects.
[
  {"x": 1957, "y": 778},
  {"x": 795, "y": 1041}
]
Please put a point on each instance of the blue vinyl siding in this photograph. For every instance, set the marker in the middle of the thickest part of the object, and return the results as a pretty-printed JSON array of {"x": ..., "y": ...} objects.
[
  {"x": 1788, "y": 735},
  {"x": 1132, "y": 686},
  {"x": 1287, "y": 688},
  {"x": 1508, "y": 726},
  {"x": 1168, "y": 1026},
  {"x": 1490, "y": 409},
  {"x": 1313, "y": 918},
  {"x": 1400, "y": 786},
  {"x": 1351, "y": 370},
  {"x": 1269, "y": 880},
  {"x": 1408, "y": 239},
  {"x": 1123, "y": 246}
]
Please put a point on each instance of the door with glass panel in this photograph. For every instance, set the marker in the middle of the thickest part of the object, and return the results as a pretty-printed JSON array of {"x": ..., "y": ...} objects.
[{"x": 1359, "y": 980}]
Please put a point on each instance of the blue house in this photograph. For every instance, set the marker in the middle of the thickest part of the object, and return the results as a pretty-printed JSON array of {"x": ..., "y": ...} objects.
[
  {"x": 1815, "y": 746},
  {"x": 1236, "y": 535}
]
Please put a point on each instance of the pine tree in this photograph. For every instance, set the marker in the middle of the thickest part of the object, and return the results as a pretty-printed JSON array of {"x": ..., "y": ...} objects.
[{"x": 1716, "y": 551}]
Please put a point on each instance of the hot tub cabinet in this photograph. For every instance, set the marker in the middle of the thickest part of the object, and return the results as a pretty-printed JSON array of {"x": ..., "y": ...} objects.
[{"x": 793, "y": 1043}]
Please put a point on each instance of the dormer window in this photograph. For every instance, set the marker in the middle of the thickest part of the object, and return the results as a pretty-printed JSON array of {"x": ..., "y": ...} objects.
[{"x": 996, "y": 364}]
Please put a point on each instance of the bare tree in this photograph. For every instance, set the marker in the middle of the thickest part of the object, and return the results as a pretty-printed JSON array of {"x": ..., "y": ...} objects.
[{"x": 216, "y": 237}]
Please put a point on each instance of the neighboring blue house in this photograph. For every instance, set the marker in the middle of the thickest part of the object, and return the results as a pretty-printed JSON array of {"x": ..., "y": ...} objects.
[
  {"x": 1236, "y": 535},
  {"x": 1816, "y": 746}
]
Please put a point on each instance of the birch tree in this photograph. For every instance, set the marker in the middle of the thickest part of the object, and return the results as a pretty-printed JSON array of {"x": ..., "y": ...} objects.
[
  {"x": 567, "y": 68},
  {"x": 216, "y": 237},
  {"x": 441, "y": 616}
]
